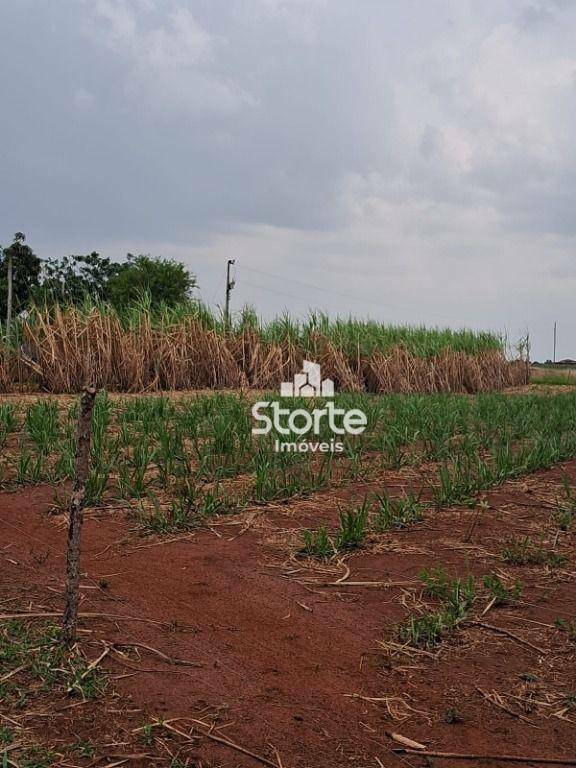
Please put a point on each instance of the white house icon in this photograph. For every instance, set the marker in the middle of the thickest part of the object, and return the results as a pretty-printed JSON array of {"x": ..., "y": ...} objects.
[{"x": 308, "y": 383}]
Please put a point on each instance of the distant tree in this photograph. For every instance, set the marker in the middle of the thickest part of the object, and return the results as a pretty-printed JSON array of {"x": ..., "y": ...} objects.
[
  {"x": 164, "y": 280},
  {"x": 72, "y": 278},
  {"x": 26, "y": 268}
]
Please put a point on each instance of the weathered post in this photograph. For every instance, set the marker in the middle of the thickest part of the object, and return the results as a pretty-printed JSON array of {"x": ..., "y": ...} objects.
[
  {"x": 9, "y": 281},
  {"x": 76, "y": 510},
  {"x": 230, "y": 283}
]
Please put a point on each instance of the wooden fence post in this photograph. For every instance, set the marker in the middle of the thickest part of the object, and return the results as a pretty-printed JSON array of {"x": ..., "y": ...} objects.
[{"x": 76, "y": 509}]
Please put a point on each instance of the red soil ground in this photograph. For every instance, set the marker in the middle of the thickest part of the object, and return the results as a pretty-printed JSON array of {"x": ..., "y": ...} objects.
[{"x": 290, "y": 663}]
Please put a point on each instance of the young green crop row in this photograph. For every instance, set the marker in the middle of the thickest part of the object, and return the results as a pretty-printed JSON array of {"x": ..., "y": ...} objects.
[{"x": 201, "y": 452}]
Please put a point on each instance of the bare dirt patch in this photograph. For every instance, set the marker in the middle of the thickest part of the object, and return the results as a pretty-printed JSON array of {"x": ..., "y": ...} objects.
[{"x": 300, "y": 662}]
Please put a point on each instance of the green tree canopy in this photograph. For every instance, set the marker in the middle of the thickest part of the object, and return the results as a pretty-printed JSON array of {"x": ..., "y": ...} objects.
[
  {"x": 165, "y": 281},
  {"x": 73, "y": 278},
  {"x": 26, "y": 269}
]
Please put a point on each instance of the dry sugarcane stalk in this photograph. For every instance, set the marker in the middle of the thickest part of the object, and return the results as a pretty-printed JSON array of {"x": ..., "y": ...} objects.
[{"x": 62, "y": 346}]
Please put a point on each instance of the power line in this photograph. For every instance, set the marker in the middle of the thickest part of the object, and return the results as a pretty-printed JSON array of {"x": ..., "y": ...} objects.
[
  {"x": 273, "y": 290},
  {"x": 217, "y": 289},
  {"x": 380, "y": 304},
  {"x": 318, "y": 288}
]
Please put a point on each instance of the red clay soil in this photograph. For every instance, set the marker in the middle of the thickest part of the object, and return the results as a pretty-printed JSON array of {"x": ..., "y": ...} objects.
[{"x": 291, "y": 665}]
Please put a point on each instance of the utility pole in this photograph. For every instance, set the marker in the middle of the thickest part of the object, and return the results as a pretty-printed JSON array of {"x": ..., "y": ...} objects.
[
  {"x": 19, "y": 238},
  {"x": 230, "y": 283},
  {"x": 554, "y": 357},
  {"x": 8, "y": 253}
]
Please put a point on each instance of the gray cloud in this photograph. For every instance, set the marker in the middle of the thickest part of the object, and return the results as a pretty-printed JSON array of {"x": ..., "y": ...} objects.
[{"x": 415, "y": 157}]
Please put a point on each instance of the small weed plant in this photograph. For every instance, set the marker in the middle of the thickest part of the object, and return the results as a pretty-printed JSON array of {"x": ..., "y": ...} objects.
[
  {"x": 349, "y": 535},
  {"x": 526, "y": 551},
  {"x": 318, "y": 544},
  {"x": 456, "y": 597},
  {"x": 565, "y": 511},
  {"x": 397, "y": 512},
  {"x": 353, "y": 524},
  {"x": 499, "y": 593}
]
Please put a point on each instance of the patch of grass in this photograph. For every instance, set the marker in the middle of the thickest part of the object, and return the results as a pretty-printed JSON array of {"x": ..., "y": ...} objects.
[
  {"x": 558, "y": 380},
  {"x": 425, "y": 631},
  {"x": 397, "y": 512},
  {"x": 565, "y": 511},
  {"x": 148, "y": 734},
  {"x": 83, "y": 748},
  {"x": 36, "y": 757},
  {"x": 500, "y": 594},
  {"x": 567, "y": 626},
  {"x": 353, "y": 523},
  {"x": 436, "y": 583},
  {"x": 178, "y": 515},
  {"x": 456, "y": 598},
  {"x": 182, "y": 513},
  {"x": 8, "y": 422},
  {"x": 46, "y": 664},
  {"x": 349, "y": 535},
  {"x": 528, "y": 552},
  {"x": 318, "y": 544},
  {"x": 456, "y": 595},
  {"x": 29, "y": 756}
]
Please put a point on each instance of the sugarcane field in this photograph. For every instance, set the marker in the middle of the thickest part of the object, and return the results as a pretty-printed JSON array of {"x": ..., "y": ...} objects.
[{"x": 288, "y": 463}]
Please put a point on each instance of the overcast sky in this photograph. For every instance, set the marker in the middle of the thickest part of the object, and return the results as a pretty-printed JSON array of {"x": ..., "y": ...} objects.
[{"x": 409, "y": 160}]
